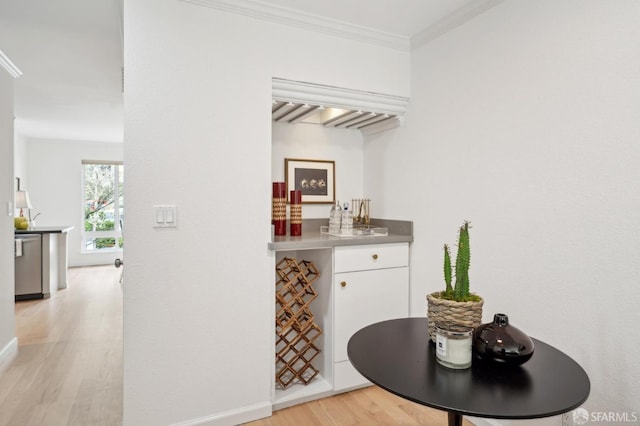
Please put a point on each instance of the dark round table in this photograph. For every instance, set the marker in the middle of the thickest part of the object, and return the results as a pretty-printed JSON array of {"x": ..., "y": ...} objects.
[{"x": 398, "y": 356}]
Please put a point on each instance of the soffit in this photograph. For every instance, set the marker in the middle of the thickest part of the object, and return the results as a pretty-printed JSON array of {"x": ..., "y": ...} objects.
[{"x": 302, "y": 102}]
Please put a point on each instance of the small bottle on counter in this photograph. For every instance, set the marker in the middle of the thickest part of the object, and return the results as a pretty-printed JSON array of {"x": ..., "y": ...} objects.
[
  {"x": 346, "y": 227},
  {"x": 335, "y": 218}
]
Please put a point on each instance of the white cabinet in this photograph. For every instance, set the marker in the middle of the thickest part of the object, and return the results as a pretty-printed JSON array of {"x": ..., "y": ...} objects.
[
  {"x": 371, "y": 284},
  {"x": 358, "y": 285}
]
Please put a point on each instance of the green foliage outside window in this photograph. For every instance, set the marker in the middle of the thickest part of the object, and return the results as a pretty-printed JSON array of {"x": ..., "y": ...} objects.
[{"x": 103, "y": 203}]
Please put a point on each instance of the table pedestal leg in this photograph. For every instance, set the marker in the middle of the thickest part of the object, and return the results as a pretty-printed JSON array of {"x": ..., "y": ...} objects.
[{"x": 455, "y": 419}]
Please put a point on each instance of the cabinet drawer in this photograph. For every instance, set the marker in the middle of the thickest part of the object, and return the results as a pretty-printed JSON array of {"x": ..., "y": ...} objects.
[{"x": 371, "y": 256}]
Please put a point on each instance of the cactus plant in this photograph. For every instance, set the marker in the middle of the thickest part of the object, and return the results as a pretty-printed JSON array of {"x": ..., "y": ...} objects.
[
  {"x": 455, "y": 305},
  {"x": 460, "y": 290},
  {"x": 448, "y": 292}
]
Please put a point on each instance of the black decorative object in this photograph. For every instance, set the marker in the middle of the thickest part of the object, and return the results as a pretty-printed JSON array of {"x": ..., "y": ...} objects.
[{"x": 502, "y": 343}]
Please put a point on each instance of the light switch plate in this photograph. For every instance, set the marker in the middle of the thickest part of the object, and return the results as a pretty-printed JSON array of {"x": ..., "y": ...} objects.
[{"x": 165, "y": 216}]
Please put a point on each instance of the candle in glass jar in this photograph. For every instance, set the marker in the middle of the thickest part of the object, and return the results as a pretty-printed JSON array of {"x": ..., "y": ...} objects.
[{"x": 453, "y": 346}]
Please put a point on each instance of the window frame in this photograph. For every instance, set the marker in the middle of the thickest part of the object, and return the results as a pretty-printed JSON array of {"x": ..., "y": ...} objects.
[{"x": 116, "y": 233}]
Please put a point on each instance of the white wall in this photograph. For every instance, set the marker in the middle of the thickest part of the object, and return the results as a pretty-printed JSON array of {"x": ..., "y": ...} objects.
[
  {"x": 54, "y": 170},
  {"x": 525, "y": 121},
  {"x": 313, "y": 141},
  {"x": 198, "y": 299},
  {"x": 20, "y": 157},
  {"x": 8, "y": 341}
]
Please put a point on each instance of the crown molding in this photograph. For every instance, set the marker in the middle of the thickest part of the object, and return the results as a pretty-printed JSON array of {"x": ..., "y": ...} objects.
[
  {"x": 337, "y": 97},
  {"x": 451, "y": 21},
  {"x": 6, "y": 63},
  {"x": 281, "y": 15}
]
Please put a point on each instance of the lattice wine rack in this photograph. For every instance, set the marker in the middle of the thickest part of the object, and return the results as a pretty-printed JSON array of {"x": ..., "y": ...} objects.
[{"x": 296, "y": 330}]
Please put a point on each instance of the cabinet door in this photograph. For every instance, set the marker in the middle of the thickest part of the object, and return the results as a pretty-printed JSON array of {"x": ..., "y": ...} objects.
[{"x": 367, "y": 297}]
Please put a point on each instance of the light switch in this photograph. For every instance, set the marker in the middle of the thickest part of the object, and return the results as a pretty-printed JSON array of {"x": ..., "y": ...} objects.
[
  {"x": 165, "y": 216},
  {"x": 159, "y": 215},
  {"x": 9, "y": 208}
]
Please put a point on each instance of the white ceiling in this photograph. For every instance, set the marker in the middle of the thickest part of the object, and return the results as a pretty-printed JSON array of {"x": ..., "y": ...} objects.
[
  {"x": 70, "y": 54},
  {"x": 399, "y": 17}
]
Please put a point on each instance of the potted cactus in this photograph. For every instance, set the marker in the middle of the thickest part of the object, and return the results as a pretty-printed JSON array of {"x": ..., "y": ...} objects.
[{"x": 455, "y": 305}]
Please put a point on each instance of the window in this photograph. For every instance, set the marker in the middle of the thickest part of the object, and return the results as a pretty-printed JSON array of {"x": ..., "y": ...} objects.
[{"x": 103, "y": 205}]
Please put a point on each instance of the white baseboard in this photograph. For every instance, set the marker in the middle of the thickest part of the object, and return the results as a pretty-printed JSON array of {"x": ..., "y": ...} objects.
[
  {"x": 8, "y": 353},
  {"x": 232, "y": 417},
  {"x": 477, "y": 421},
  {"x": 546, "y": 421}
]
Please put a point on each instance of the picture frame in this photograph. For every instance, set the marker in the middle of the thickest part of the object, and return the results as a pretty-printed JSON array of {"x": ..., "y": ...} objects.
[{"x": 315, "y": 178}]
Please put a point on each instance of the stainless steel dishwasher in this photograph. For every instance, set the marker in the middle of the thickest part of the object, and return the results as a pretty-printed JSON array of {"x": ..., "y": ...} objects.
[{"x": 28, "y": 266}]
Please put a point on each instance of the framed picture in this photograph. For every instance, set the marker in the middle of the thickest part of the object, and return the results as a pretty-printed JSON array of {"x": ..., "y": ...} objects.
[{"x": 315, "y": 178}]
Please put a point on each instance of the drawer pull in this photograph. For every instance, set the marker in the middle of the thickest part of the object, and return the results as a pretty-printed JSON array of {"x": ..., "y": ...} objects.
[
  {"x": 343, "y": 283},
  {"x": 375, "y": 257}
]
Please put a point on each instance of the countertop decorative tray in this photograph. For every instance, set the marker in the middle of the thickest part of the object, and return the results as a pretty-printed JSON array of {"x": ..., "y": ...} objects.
[{"x": 358, "y": 231}]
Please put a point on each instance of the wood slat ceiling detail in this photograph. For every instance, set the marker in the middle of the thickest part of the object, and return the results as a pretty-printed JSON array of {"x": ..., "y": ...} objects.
[{"x": 291, "y": 112}]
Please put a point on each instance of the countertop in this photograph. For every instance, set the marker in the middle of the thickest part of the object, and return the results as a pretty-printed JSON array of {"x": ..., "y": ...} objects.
[
  {"x": 45, "y": 230},
  {"x": 399, "y": 232}
]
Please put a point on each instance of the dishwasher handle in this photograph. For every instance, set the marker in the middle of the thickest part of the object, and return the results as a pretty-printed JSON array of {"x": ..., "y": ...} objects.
[{"x": 20, "y": 240}]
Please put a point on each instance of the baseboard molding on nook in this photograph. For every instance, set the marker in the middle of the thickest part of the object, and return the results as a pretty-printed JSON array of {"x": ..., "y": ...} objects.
[
  {"x": 477, "y": 421},
  {"x": 546, "y": 421},
  {"x": 232, "y": 417},
  {"x": 8, "y": 354}
]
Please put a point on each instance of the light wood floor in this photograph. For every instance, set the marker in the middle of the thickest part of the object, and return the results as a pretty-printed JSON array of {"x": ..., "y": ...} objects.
[
  {"x": 367, "y": 406},
  {"x": 69, "y": 368},
  {"x": 69, "y": 365}
]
